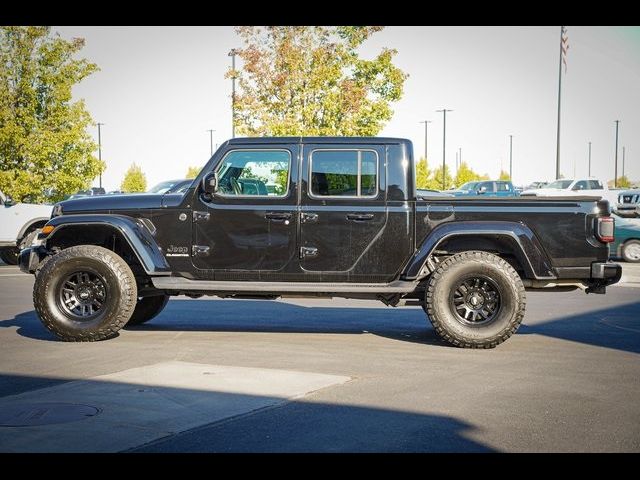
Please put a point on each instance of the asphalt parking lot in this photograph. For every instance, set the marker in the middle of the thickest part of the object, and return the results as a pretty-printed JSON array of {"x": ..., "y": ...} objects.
[{"x": 330, "y": 376}]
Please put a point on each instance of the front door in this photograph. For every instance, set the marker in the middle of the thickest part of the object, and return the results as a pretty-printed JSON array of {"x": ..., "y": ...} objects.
[
  {"x": 247, "y": 230},
  {"x": 342, "y": 213}
]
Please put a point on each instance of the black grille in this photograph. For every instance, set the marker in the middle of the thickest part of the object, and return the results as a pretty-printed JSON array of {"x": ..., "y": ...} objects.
[{"x": 628, "y": 198}]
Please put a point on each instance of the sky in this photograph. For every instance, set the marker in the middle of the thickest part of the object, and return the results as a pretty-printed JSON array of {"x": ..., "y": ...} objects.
[{"x": 159, "y": 90}]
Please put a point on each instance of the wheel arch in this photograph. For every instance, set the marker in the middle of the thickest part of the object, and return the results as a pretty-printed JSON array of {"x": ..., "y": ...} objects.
[
  {"x": 121, "y": 234},
  {"x": 37, "y": 222},
  {"x": 514, "y": 240}
]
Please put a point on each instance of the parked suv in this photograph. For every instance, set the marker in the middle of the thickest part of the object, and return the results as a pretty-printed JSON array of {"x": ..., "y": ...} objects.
[
  {"x": 628, "y": 204},
  {"x": 488, "y": 188},
  {"x": 570, "y": 187},
  {"x": 19, "y": 223}
]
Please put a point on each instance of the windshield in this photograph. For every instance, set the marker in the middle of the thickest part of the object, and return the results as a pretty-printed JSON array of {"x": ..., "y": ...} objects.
[
  {"x": 469, "y": 186},
  {"x": 559, "y": 184},
  {"x": 162, "y": 187}
]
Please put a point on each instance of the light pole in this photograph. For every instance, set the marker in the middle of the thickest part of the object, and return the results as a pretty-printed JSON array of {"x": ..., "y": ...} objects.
[
  {"x": 615, "y": 178},
  {"x": 511, "y": 158},
  {"x": 444, "y": 144},
  {"x": 100, "y": 153},
  {"x": 426, "y": 123},
  {"x": 211, "y": 139},
  {"x": 589, "y": 159},
  {"x": 459, "y": 156},
  {"x": 232, "y": 54}
]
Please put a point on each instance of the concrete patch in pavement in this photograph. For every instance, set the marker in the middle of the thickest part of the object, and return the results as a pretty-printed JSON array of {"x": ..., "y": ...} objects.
[{"x": 143, "y": 404}]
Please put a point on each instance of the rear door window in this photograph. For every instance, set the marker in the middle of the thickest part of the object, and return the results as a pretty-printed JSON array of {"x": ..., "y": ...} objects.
[{"x": 344, "y": 173}]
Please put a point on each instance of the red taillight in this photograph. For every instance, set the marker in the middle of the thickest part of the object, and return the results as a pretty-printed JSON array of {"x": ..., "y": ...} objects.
[{"x": 605, "y": 230}]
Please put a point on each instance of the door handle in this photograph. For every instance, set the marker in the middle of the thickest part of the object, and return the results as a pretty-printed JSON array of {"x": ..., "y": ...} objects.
[
  {"x": 359, "y": 217},
  {"x": 278, "y": 216},
  {"x": 309, "y": 217},
  {"x": 308, "y": 252}
]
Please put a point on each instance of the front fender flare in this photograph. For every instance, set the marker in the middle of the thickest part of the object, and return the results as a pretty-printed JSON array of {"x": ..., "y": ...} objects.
[
  {"x": 528, "y": 248},
  {"x": 133, "y": 230}
]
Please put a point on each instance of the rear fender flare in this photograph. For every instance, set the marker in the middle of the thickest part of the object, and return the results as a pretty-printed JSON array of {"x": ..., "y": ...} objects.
[{"x": 528, "y": 249}]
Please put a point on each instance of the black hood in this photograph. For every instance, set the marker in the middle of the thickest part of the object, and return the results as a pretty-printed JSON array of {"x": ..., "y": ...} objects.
[{"x": 103, "y": 203}]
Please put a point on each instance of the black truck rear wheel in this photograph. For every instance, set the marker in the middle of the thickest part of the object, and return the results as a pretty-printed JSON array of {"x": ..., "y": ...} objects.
[
  {"x": 147, "y": 308},
  {"x": 85, "y": 293},
  {"x": 475, "y": 300}
]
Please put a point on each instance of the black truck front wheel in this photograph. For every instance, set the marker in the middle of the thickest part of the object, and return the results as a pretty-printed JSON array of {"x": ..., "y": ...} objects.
[
  {"x": 475, "y": 300},
  {"x": 147, "y": 308},
  {"x": 85, "y": 293}
]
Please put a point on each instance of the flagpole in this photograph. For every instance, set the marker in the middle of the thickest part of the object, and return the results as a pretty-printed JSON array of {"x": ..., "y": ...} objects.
[{"x": 559, "y": 98}]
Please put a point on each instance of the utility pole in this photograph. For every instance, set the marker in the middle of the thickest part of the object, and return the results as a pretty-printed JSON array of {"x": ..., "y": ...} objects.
[
  {"x": 459, "y": 156},
  {"x": 562, "y": 51},
  {"x": 589, "y": 159},
  {"x": 100, "y": 152},
  {"x": 211, "y": 139},
  {"x": 426, "y": 123},
  {"x": 511, "y": 158},
  {"x": 444, "y": 145},
  {"x": 456, "y": 160},
  {"x": 232, "y": 54},
  {"x": 623, "y": 160},
  {"x": 615, "y": 178}
]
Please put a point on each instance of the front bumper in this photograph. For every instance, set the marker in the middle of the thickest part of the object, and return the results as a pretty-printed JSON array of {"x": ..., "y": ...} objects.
[
  {"x": 30, "y": 258},
  {"x": 603, "y": 274},
  {"x": 626, "y": 210}
]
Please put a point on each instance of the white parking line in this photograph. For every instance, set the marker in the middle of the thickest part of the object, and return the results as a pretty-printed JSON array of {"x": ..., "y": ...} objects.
[{"x": 143, "y": 404}]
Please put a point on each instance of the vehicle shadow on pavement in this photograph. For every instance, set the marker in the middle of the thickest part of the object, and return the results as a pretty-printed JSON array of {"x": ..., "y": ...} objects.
[
  {"x": 406, "y": 324},
  {"x": 613, "y": 327},
  {"x": 209, "y": 315},
  {"x": 158, "y": 418}
]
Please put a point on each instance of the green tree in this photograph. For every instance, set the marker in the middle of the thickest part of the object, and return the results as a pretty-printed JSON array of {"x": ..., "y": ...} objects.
[
  {"x": 310, "y": 80},
  {"x": 437, "y": 178},
  {"x": 422, "y": 174},
  {"x": 134, "y": 180},
  {"x": 192, "y": 172},
  {"x": 44, "y": 144},
  {"x": 504, "y": 175},
  {"x": 466, "y": 174},
  {"x": 623, "y": 182}
]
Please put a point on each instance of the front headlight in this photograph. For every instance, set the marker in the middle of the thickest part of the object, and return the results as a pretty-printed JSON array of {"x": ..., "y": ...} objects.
[{"x": 57, "y": 210}]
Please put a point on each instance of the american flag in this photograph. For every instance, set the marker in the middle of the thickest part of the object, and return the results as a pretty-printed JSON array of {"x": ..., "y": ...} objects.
[{"x": 564, "y": 45}]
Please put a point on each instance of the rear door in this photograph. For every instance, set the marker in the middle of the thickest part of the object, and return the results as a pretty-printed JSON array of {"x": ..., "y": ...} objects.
[{"x": 342, "y": 211}]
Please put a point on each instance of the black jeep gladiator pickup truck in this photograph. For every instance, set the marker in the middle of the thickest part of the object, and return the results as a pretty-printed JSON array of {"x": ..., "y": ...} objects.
[{"x": 322, "y": 217}]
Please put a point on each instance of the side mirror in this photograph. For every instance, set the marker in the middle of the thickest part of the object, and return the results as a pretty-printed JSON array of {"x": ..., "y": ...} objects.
[
  {"x": 482, "y": 190},
  {"x": 9, "y": 202},
  {"x": 209, "y": 183},
  {"x": 577, "y": 187}
]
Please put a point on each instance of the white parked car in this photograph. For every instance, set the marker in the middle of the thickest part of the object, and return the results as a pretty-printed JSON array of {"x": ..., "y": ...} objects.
[
  {"x": 19, "y": 223},
  {"x": 571, "y": 187}
]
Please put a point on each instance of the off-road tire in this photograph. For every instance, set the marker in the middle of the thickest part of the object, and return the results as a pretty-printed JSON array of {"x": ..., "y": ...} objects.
[
  {"x": 625, "y": 251},
  {"x": 119, "y": 284},
  {"x": 9, "y": 255},
  {"x": 147, "y": 308},
  {"x": 441, "y": 311}
]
